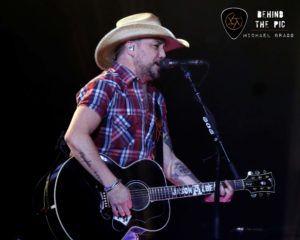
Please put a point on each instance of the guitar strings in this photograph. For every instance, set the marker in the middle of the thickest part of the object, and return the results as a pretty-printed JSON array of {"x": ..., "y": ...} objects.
[{"x": 164, "y": 192}]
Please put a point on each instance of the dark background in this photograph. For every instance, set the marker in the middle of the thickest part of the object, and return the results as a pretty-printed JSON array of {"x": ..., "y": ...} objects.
[{"x": 252, "y": 88}]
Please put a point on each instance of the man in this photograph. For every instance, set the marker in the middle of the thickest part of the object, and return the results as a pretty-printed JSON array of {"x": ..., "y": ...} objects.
[{"x": 118, "y": 111}]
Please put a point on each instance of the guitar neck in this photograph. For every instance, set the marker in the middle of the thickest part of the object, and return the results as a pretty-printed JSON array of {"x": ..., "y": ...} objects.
[{"x": 174, "y": 192}]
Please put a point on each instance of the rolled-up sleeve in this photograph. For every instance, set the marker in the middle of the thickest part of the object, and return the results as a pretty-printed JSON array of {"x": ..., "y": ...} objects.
[{"x": 96, "y": 94}]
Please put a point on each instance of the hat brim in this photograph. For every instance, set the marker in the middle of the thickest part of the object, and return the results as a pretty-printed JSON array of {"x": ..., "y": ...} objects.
[{"x": 105, "y": 50}]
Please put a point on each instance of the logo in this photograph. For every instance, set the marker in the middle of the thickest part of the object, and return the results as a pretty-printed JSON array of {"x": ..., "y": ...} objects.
[
  {"x": 262, "y": 24},
  {"x": 269, "y": 24},
  {"x": 234, "y": 21}
]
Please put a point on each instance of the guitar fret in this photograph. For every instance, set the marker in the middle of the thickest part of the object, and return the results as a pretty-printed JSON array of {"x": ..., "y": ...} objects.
[
  {"x": 159, "y": 193},
  {"x": 169, "y": 192},
  {"x": 163, "y": 193},
  {"x": 152, "y": 196},
  {"x": 156, "y": 194},
  {"x": 234, "y": 184},
  {"x": 239, "y": 185}
]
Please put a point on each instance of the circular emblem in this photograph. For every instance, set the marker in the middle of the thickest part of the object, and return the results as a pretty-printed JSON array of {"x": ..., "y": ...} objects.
[{"x": 233, "y": 21}]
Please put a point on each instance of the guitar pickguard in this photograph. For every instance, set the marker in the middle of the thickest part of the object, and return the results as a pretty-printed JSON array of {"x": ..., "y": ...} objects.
[{"x": 123, "y": 220}]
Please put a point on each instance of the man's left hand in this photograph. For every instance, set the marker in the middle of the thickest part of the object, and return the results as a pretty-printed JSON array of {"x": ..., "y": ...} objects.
[{"x": 226, "y": 193}]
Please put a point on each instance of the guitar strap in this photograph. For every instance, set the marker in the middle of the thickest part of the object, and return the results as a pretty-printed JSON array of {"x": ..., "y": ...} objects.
[{"x": 158, "y": 134}]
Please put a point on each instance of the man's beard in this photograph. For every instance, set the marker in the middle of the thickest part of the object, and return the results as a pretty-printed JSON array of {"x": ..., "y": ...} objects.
[
  {"x": 150, "y": 72},
  {"x": 153, "y": 73}
]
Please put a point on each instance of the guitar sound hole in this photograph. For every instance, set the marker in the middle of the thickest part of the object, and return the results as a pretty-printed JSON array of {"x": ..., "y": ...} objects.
[{"x": 139, "y": 195}]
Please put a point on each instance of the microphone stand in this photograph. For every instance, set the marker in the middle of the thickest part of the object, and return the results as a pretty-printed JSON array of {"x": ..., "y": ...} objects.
[{"x": 212, "y": 129}]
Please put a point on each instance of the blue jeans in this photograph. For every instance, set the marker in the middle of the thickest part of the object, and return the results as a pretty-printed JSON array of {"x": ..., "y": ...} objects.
[{"x": 133, "y": 234}]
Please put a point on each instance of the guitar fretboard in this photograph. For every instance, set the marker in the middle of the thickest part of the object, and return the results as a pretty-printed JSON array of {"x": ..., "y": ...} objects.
[{"x": 172, "y": 192}]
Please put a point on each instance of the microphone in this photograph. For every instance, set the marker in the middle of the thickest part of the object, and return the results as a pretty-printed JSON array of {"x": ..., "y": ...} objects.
[{"x": 171, "y": 63}]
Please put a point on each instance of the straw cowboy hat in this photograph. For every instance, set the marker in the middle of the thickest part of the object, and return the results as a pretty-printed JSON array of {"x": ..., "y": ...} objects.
[{"x": 134, "y": 27}]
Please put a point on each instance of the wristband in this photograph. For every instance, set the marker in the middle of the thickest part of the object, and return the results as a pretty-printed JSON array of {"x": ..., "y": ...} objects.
[{"x": 111, "y": 187}]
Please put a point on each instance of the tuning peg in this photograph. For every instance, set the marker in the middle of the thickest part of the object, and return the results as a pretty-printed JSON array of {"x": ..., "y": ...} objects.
[
  {"x": 250, "y": 173},
  {"x": 257, "y": 172},
  {"x": 253, "y": 195},
  {"x": 260, "y": 194},
  {"x": 264, "y": 171}
]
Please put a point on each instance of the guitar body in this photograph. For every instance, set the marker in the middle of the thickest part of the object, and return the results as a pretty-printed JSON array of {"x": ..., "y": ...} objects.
[{"x": 77, "y": 207}]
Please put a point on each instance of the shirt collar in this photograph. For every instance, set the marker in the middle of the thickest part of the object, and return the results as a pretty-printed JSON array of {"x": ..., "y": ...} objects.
[{"x": 124, "y": 72}]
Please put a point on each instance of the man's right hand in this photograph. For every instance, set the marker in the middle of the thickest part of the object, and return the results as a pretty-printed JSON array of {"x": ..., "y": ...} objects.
[{"x": 120, "y": 200}]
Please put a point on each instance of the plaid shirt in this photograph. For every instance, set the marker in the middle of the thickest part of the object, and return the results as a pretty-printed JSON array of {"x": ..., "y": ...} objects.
[{"x": 129, "y": 126}]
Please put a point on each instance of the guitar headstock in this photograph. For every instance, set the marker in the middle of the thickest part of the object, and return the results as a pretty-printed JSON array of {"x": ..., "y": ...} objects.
[{"x": 259, "y": 184}]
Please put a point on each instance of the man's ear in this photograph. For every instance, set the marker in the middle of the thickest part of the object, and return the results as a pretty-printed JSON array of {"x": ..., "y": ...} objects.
[{"x": 130, "y": 47}]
